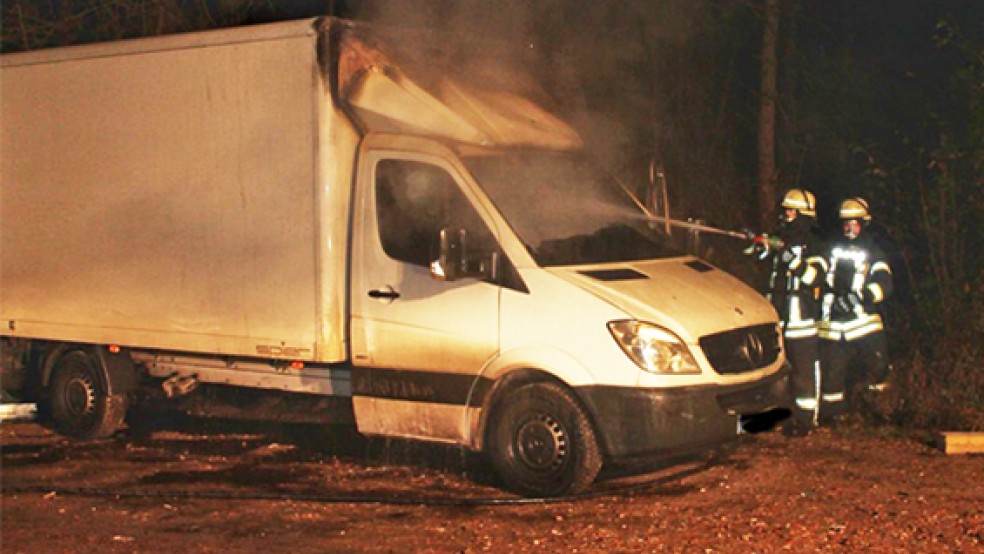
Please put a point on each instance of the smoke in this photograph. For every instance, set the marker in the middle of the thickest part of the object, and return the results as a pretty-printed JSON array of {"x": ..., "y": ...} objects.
[
  {"x": 612, "y": 68},
  {"x": 670, "y": 80}
]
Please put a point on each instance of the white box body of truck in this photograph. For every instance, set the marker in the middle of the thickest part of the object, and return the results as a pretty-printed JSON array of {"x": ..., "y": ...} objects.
[{"x": 283, "y": 209}]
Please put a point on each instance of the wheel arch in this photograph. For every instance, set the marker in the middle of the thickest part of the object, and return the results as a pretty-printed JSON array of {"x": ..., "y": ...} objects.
[
  {"x": 513, "y": 380},
  {"x": 116, "y": 368}
]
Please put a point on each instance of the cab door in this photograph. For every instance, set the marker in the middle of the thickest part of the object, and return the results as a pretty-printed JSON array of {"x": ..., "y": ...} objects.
[{"x": 418, "y": 342}]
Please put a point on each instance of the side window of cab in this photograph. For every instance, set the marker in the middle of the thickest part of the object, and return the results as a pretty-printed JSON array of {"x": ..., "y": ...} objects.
[{"x": 414, "y": 201}]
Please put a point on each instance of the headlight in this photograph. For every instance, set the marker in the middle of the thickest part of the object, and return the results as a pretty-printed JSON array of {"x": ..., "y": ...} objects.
[{"x": 653, "y": 348}]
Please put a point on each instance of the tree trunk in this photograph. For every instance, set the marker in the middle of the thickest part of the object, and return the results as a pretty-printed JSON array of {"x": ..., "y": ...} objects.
[
  {"x": 767, "y": 114},
  {"x": 790, "y": 150}
]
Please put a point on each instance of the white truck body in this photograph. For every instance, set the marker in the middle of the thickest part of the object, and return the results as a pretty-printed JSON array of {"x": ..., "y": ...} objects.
[{"x": 216, "y": 207}]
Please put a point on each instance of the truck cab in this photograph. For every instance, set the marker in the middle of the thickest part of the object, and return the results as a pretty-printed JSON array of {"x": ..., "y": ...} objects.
[{"x": 554, "y": 288}]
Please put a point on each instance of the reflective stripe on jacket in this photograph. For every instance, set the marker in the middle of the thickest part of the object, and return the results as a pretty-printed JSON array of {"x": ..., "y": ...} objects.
[
  {"x": 857, "y": 267},
  {"x": 797, "y": 271}
]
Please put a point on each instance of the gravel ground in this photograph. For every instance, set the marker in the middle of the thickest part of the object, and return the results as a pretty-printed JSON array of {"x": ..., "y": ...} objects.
[{"x": 847, "y": 490}]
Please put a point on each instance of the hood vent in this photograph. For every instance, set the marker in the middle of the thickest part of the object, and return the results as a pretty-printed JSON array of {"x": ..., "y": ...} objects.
[
  {"x": 624, "y": 274},
  {"x": 699, "y": 266}
]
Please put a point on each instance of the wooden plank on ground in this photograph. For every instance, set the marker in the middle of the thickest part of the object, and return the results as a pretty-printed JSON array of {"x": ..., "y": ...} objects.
[{"x": 959, "y": 442}]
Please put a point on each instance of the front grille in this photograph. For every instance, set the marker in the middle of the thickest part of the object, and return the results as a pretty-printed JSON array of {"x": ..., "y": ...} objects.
[{"x": 742, "y": 350}]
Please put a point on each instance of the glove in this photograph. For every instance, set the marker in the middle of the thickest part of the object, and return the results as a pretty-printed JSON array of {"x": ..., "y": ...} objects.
[
  {"x": 792, "y": 257},
  {"x": 759, "y": 247},
  {"x": 847, "y": 302}
]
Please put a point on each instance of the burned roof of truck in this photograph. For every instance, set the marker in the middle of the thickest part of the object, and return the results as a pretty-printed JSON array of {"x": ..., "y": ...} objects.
[{"x": 402, "y": 81}]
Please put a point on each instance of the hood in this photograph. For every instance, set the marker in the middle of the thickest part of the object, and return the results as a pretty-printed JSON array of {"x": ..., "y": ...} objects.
[{"x": 688, "y": 296}]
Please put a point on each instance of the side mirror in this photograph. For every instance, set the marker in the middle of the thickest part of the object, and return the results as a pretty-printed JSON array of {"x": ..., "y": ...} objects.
[
  {"x": 693, "y": 237},
  {"x": 657, "y": 196},
  {"x": 449, "y": 264},
  {"x": 455, "y": 262}
]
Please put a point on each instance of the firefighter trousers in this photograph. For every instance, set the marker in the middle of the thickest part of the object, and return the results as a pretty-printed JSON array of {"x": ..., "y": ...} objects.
[
  {"x": 849, "y": 370},
  {"x": 803, "y": 354}
]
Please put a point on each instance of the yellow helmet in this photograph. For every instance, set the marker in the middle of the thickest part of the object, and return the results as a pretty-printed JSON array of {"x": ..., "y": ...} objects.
[
  {"x": 854, "y": 208},
  {"x": 800, "y": 200}
]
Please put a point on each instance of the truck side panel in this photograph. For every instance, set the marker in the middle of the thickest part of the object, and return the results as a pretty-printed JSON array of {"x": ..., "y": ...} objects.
[{"x": 169, "y": 198}]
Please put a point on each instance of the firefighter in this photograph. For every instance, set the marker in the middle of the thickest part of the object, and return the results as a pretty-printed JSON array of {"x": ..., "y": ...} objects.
[
  {"x": 798, "y": 268},
  {"x": 852, "y": 336}
]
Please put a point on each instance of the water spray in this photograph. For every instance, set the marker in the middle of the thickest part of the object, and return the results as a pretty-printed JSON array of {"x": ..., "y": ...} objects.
[
  {"x": 692, "y": 225},
  {"x": 669, "y": 221}
]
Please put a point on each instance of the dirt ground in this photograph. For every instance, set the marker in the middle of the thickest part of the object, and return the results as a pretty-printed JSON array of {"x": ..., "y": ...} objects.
[{"x": 197, "y": 488}]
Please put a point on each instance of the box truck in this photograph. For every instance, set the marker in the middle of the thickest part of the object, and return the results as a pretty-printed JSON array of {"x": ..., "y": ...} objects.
[{"x": 289, "y": 222}]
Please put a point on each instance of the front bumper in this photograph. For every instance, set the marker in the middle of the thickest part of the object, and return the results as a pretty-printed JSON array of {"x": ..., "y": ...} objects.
[{"x": 643, "y": 422}]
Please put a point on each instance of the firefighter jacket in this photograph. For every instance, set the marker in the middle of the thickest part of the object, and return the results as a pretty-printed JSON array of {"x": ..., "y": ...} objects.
[
  {"x": 798, "y": 268},
  {"x": 858, "y": 280}
]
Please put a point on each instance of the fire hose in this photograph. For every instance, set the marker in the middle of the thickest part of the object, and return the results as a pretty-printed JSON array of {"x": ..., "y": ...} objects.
[{"x": 383, "y": 499}]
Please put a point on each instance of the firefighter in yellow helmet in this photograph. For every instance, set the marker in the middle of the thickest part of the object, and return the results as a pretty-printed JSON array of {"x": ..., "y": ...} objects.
[
  {"x": 798, "y": 268},
  {"x": 853, "y": 349}
]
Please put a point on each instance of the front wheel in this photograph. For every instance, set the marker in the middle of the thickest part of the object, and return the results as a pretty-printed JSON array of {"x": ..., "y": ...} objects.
[
  {"x": 541, "y": 442},
  {"x": 78, "y": 400}
]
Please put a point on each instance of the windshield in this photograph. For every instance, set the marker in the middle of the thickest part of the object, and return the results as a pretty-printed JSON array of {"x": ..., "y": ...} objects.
[{"x": 567, "y": 212}]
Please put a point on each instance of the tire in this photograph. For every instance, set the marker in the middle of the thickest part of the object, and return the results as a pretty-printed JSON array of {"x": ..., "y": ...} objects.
[
  {"x": 541, "y": 442},
  {"x": 78, "y": 401}
]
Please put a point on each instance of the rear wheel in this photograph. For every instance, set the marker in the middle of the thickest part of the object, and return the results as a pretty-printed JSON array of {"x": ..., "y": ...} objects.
[
  {"x": 542, "y": 443},
  {"x": 78, "y": 400}
]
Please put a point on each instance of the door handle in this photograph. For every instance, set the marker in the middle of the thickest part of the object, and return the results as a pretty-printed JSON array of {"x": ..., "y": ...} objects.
[{"x": 384, "y": 293}]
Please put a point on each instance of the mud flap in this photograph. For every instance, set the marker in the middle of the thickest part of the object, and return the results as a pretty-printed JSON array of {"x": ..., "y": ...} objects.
[
  {"x": 120, "y": 372},
  {"x": 116, "y": 406}
]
